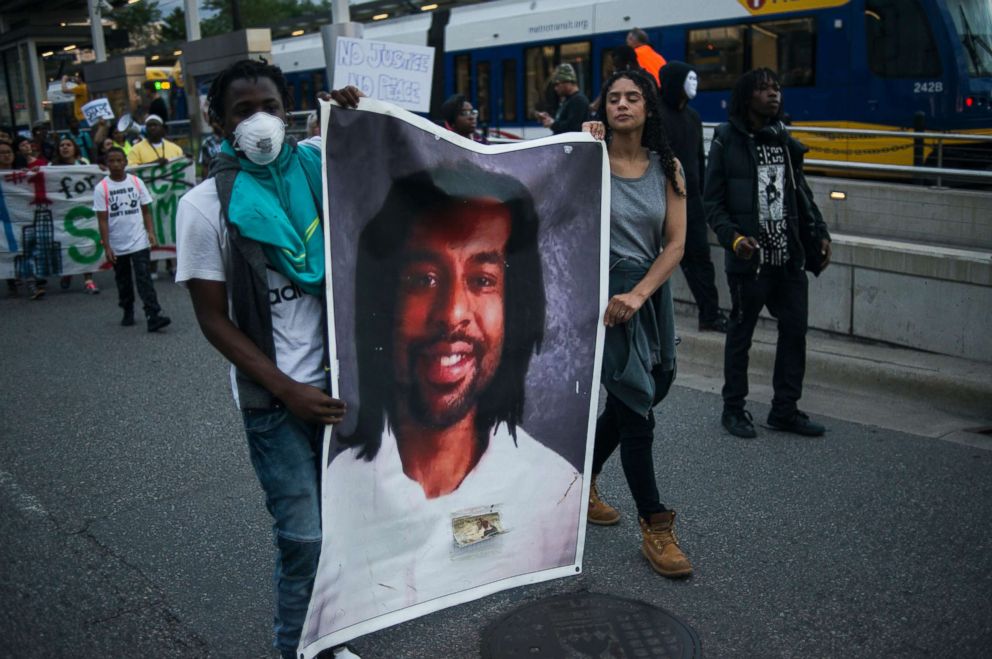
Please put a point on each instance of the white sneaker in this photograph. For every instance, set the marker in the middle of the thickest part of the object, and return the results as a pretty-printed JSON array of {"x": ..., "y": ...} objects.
[{"x": 343, "y": 652}]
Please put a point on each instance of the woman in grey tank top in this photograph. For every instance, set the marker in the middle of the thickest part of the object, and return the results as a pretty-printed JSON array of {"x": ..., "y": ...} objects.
[{"x": 647, "y": 238}]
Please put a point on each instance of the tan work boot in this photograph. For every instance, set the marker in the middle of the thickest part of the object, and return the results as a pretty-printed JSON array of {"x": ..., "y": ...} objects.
[
  {"x": 600, "y": 512},
  {"x": 661, "y": 546}
]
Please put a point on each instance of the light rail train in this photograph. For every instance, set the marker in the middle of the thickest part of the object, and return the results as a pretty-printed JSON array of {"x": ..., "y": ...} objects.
[{"x": 871, "y": 64}]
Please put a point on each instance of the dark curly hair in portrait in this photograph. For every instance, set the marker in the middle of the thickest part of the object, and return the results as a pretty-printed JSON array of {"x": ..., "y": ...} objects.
[
  {"x": 418, "y": 197},
  {"x": 247, "y": 69},
  {"x": 654, "y": 138},
  {"x": 744, "y": 88}
]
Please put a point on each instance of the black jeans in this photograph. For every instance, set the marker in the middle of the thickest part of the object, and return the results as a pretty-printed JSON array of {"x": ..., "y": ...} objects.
[
  {"x": 784, "y": 290},
  {"x": 619, "y": 425},
  {"x": 697, "y": 266},
  {"x": 138, "y": 262}
]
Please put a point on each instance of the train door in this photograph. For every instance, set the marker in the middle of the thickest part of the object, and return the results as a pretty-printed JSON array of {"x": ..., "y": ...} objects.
[
  {"x": 484, "y": 65},
  {"x": 504, "y": 112},
  {"x": 899, "y": 70},
  {"x": 539, "y": 63}
]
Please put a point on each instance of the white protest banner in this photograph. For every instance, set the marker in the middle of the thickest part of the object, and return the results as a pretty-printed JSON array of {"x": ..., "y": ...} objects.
[
  {"x": 396, "y": 73},
  {"x": 56, "y": 95},
  {"x": 96, "y": 110},
  {"x": 48, "y": 226},
  {"x": 467, "y": 284}
]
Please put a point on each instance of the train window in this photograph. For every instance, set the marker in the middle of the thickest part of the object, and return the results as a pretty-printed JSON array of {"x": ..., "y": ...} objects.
[
  {"x": 787, "y": 47},
  {"x": 605, "y": 66},
  {"x": 463, "y": 75},
  {"x": 720, "y": 55},
  {"x": 973, "y": 22},
  {"x": 317, "y": 83},
  {"x": 541, "y": 62},
  {"x": 482, "y": 70},
  {"x": 717, "y": 55},
  {"x": 900, "y": 43},
  {"x": 538, "y": 94},
  {"x": 304, "y": 95},
  {"x": 509, "y": 100},
  {"x": 579, "y": 55}
]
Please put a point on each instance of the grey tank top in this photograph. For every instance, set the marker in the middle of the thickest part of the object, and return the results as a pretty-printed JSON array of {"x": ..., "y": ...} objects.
[{"x": 637, "y": 214}]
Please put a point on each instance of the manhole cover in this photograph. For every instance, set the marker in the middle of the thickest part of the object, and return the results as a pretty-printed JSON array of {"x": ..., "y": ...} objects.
[{"x": 581, "y": 625}]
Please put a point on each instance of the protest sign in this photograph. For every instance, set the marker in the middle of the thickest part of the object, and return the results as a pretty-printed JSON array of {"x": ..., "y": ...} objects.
[
  {"x": 96, "y": 110},
  {"x": 48, "y": 226},
  {"x": 56, "y": 95},
  {"x": 396, "y": 73},
  {"x": 466, "y": 288}
]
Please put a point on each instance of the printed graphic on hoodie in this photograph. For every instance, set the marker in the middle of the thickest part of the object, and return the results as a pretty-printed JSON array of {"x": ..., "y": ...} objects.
[{"x": 771, "y": 204}]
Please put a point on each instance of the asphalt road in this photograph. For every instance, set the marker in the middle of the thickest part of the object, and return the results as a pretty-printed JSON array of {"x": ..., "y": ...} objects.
[{"x": 131, "y": 524}]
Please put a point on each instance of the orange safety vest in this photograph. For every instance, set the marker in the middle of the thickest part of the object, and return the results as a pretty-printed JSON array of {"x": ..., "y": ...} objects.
[{"x": 650, "y": 60}]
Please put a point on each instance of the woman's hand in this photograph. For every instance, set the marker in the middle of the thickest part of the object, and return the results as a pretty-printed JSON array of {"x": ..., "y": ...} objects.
[
  {"x": 621, "y": 308},
  {"x": 595, "y": 128}
]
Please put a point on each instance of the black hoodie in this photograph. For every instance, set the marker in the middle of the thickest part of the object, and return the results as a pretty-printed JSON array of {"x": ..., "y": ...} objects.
[{"x": 684, "y": 130}]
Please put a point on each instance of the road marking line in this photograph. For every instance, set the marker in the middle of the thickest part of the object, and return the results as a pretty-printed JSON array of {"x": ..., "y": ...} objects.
[{"x": 28, "y": 504}]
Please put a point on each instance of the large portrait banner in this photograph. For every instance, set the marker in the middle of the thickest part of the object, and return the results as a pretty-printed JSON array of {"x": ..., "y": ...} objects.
[
  {"x": 48, "y": 226},
  {"x": 466, "y": 286}
]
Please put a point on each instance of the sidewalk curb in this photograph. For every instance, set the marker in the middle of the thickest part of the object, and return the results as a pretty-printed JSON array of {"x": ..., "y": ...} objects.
[{"x": 950, "y": 384}]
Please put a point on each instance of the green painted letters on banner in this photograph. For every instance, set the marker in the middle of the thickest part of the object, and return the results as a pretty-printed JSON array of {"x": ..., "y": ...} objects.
[{"x": 77, "y": 255}]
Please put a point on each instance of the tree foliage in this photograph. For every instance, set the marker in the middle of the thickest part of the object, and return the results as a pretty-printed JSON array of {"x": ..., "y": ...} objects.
[
  {"x": 173, "y": 27},
  {"x": 140, "y": 20},
  {"x": 256, "y": 13}
]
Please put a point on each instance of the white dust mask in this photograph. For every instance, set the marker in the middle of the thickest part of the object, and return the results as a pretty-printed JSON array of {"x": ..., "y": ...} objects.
[
  {"x": 260, "y": 137},
  {"x": 690, "y": 85}
]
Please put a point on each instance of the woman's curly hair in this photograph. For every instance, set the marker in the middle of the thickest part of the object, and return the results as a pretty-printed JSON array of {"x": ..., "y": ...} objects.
[{"x": 653, "y": 138}]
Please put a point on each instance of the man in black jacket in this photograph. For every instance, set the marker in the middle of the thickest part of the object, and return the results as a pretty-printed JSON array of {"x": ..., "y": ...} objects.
[
  {"x": 684, "y": 130},
  {"x": 753, "y": 193},
  {"x": 574, "y": 107}
]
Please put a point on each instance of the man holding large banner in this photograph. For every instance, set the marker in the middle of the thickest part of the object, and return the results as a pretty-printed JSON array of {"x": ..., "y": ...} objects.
[
  {"x": 251, "y": 252},
  {"x": 465, "y": 291}
]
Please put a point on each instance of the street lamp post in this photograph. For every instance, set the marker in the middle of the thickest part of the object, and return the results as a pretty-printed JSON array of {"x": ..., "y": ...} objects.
[{"x": 96, "y": 30}]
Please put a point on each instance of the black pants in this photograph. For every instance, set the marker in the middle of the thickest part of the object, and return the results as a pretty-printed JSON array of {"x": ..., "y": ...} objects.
[
  {"x": 138, "y": 262},
  {"x": 697, "y": 266},
  {"x": 621, "y": 426},
  {"x": 784, "y": 290}
]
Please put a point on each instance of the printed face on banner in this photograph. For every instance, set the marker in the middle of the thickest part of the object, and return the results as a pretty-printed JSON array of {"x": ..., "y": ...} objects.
[
  {"x": 465, "y": 290},
  {"x": 449, "y": 311}
]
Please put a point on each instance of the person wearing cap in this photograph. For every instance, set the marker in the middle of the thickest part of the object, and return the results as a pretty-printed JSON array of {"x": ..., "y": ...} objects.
[
  {"x": 649, "y": 58},
  {"x": 154, "y": 148},
  {"x": 574, "y": 107}
]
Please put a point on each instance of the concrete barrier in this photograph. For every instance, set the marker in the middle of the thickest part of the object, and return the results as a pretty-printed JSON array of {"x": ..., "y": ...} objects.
[
  {"x": 931, "y": 298},
  {"x": 910, "y": 213}
]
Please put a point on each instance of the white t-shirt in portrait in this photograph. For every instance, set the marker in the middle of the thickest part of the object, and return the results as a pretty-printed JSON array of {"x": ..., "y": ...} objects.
[{"x": 122, "y": 200}]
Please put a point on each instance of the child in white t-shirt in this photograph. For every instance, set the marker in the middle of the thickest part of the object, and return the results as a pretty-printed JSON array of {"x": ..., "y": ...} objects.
[{"x": 122, "y": 202}]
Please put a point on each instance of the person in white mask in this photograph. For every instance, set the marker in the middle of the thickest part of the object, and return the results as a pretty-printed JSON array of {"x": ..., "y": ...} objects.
[
  {"x": 250, "y": 250},
  {"x": 684, "y": 128}
]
